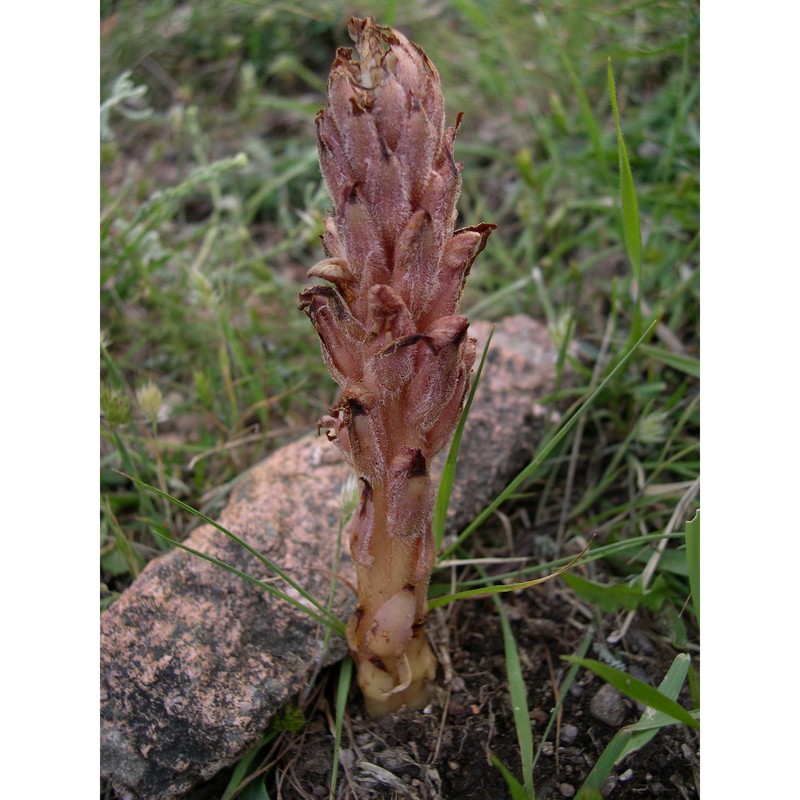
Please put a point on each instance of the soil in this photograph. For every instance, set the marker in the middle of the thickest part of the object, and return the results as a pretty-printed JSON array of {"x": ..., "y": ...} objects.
[{"x": 441, "y": 752}]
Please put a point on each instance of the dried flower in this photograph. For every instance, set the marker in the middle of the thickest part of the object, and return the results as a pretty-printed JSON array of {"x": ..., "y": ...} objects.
[{"x": 391, "y": 335}]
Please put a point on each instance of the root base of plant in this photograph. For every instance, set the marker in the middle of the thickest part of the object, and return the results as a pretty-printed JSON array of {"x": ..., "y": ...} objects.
[{"x": 391, "y": 683}]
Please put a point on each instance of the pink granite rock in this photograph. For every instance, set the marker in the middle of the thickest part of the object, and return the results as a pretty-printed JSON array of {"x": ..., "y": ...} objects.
[{"x": 195, "y": 660}]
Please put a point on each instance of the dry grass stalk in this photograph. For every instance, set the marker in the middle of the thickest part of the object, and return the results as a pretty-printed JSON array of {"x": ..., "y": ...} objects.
[{"x": 391, "y": 335}]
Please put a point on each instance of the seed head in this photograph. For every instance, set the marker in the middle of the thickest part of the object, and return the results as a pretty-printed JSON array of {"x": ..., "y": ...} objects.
[
  {"x": 115, "y": 405},
  {"x": 150, "y": 399}
]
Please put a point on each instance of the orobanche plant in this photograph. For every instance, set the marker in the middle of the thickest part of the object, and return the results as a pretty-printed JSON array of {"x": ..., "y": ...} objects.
[{"x": 391, "y": 335}]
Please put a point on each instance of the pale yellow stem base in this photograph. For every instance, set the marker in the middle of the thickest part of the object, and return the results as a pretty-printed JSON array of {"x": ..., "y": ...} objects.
[{"x": 391, "y": 683}]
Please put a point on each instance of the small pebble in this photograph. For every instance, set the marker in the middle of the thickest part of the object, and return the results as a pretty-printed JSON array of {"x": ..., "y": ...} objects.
[
  {"x": 547, "y": 749},
  {"x": 392, "y": 760},
  {"x": 627, "y": 775},
  {"x": 566, "y": 789},
  {"x": 569, "y": 733},
  {"x": 607, "y": 706},
  {"x": 458, "y": 684},
  {"x": 609, "y": 785},
  {"x": 538, "y": 715}
]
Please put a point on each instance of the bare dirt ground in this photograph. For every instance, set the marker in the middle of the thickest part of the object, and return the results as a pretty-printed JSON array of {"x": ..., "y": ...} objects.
[{"x": 441, "y": 752}]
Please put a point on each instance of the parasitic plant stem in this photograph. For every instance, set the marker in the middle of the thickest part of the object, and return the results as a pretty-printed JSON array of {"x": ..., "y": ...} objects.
[{"x": 391, "y": 335}]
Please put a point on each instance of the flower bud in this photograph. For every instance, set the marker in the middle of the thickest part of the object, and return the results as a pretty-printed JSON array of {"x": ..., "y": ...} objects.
[{"x": 115, "y": 405}]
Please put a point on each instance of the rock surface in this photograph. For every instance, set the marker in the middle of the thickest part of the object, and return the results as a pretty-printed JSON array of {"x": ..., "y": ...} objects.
[{"x": 195, "y": 660}]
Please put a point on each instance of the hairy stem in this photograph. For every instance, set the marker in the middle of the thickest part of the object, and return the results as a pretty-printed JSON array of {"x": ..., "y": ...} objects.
[{"x": 387, "y": 633}]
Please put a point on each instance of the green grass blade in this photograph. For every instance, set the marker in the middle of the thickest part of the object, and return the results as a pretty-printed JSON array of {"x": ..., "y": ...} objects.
[
  {"x": 610, "y": 598},
  {"x": 342, "y": 689},
  {"x": 449, "y": 472},
  {"x": 545, "y": 451},
  {"x": 349, "y": 504},
  {"x": 605, "y": 551},
  {"x": 161, "y": 202},
  {"x": 252, "y": 550},
  {"x": 652, "y": 720},
  {"x": 666, "y": 162},
  {"x": 589, "y": 122},
  {"x": 257, "y": 790},
  {"x": 631, "y": 227},
  {"x": 693, "y": 560},
  {"x": 633, "y": 737},
  {"x": 591, "y": 788},
  {"x": 477, "y": 309},
  {"x": 694, "y": 686},
  {"x": 291, "y": 169},
  {"x": 515, "y": 788},
  {"x": 519, "y": 700},
  {"x": 242, "y": 768},
  {"x": 636, "y": 689},
  {"x": 328, "y": 621},
  {"x": 496, "y": 589},
  {"x": 504, "y": 69},
  {"x": 686, "y": 364}
]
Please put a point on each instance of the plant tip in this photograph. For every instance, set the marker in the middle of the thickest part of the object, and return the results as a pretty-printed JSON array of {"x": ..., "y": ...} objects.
[{"x": 115, "y": 405}]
